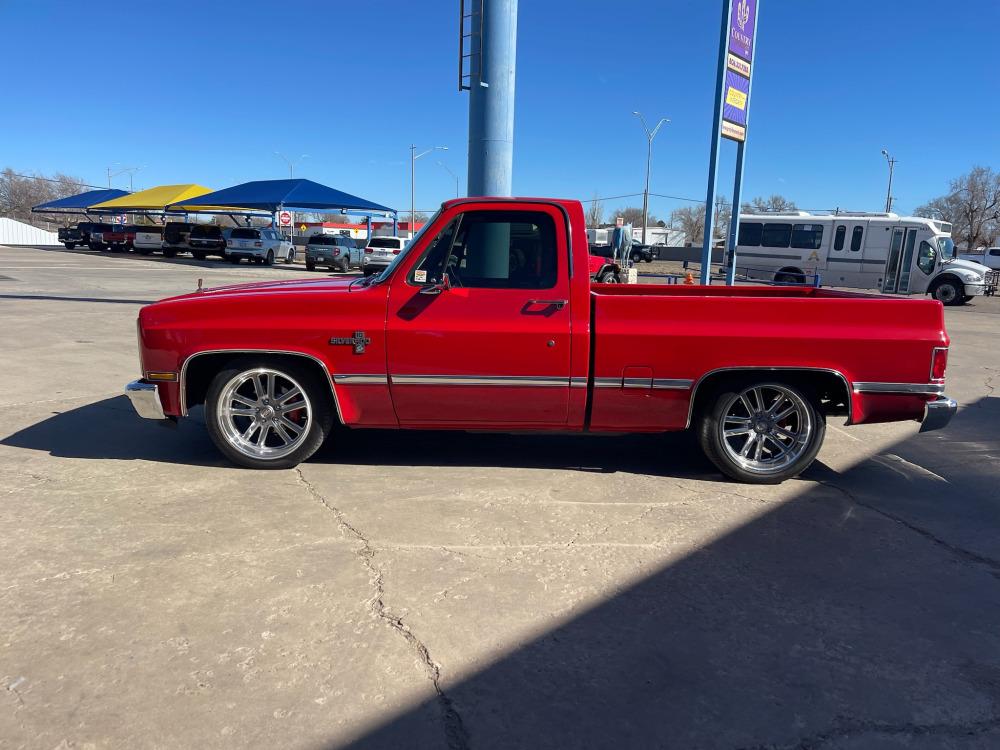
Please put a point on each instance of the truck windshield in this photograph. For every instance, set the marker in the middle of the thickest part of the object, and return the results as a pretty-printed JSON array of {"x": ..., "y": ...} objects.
[
  {"x": 946, "y": 248},
  {"x": 406, "y": 249}
]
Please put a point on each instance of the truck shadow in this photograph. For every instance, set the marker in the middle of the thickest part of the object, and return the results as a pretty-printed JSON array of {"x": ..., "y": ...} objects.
[
  {"x": 110, "y": 429},
  {"x": 858, "y": 614}
]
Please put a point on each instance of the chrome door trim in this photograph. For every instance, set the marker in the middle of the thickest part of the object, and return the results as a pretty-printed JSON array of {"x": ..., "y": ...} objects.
[
  {"x": 607, "y": 382},
  {"x": 919, "y": 389},
  {"x": 523, "y": 381},
  {"x": 578, "y": 382},
  {"x": 187, "y": 361},
  {"x": 758, "y": 368},
  {"x": 672, "y": 384}
]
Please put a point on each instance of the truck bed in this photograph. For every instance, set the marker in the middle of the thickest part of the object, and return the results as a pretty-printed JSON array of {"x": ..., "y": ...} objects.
[{"x": 653, "y": 346}]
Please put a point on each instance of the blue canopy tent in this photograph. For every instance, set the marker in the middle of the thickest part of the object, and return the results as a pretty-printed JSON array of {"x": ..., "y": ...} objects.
[
  {"x": 79, "y": 204},
  {"x": 294, "y": 195}
]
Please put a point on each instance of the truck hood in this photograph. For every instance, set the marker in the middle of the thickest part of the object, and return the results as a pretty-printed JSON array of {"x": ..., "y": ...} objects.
[
  {"x": 957, "y": 264},
  {"x": 267, "y": 288}
]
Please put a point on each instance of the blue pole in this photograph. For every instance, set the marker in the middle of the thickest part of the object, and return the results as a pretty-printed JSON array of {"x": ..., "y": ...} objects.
[
  {"x": 734, "y": 222},
  {"x": 395, "y": 225},
  {"x": 491, "y": 99},
  {"x": 713, "y": 164}
]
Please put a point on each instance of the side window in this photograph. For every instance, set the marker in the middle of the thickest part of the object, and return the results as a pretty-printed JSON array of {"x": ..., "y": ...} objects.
[
  {"x": 807, "y": 236},
  {"x": 926, "y": 258},
  {"x": 750, "y": 234},
  {"x": 776, "y": 235},
  {"x": 838, "y": 239},
  {"x": 494, "y": 250},
  {"x": 856, "y": 237},
  {"x": 995, "y": 252}
]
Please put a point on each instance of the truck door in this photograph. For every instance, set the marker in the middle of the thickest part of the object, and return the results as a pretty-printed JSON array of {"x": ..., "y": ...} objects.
[{"x": 478, "y": 326}]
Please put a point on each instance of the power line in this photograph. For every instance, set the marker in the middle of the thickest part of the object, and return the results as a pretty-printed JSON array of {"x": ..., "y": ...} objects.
[{"x": 49, "y": 179}]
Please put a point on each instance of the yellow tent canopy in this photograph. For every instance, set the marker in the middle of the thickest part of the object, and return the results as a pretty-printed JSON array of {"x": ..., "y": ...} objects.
[{"x": 158, "y": 198}]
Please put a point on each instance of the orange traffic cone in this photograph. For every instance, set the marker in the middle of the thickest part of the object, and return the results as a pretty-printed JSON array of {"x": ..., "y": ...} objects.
[{"x": 689, "y": 279}]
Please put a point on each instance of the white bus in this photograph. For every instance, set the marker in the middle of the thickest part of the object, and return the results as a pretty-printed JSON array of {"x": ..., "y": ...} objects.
[{"x": 890, "y": 253}]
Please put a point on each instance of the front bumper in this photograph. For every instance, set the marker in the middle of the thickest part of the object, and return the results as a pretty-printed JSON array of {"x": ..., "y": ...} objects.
[
  {"x": 975, "y": 290},
  {"x": 145, "y": 399},
  {"x": 938, "y": 413}
]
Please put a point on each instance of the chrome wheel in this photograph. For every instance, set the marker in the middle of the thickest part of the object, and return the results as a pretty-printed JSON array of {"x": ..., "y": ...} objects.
[
  {"x": 264, "y": 413},
  {"x": 946, "y": 293},
  {"x": 765, "y": 428}
]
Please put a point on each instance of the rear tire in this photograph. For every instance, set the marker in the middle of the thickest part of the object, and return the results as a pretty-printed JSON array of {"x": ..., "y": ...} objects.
[
  {"x": 269, "y": 258},
  {"x": 290, "y": 258},
  {"x": 234, "y": 259},
  {"x": 310, "y": 266},
  {"x": 790, "y": 278},
  {"x": 761, "y": 432},
  {"x": 198, "y": 255},
  {"x": 70, "y": 245},
  {"x": 608, "y": 277},
  {"x": 234, "y": 435},
  {"x": 169, "y": 252}
]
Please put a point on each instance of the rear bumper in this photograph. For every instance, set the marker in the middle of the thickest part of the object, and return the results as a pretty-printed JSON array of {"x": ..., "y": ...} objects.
[
  {"x": 938, "y": 413},
  {"x": 145, "y": 399}
]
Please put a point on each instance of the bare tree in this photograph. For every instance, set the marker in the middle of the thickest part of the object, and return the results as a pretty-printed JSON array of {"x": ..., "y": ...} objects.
[
  {"x": 633, "y": 215},
  {"x": 18, "y": 193},
  {"x": 972, "y": 206},
  {"x": 691, "y": 221},
  {"x": 723, "y": 216},
  {"x": 761, "y": 205},
  {"x": 595, "y": 213}
]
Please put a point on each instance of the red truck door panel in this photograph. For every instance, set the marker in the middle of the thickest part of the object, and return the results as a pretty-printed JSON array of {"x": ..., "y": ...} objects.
[{"x": 493, "y": 347}]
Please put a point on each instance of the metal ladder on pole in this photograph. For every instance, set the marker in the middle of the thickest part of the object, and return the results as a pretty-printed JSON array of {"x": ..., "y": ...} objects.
[{"x": 470, "y": 26}]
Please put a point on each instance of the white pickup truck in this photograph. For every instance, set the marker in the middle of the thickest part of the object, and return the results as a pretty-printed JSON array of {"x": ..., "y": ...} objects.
[
  {"x": 990, "y": 257},
  {"x": 148, "y": 239}
]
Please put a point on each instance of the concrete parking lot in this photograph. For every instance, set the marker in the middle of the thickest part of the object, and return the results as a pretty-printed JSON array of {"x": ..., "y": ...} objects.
[{"x": 469, "y": 591}]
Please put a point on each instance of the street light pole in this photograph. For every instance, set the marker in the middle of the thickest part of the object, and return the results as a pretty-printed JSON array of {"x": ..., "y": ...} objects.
[
  {"x": 129, "y": 170},
  {"x": 413, "y": 162},
  {"x": 888, "y": 194},
  {"x": 650, "y": 135},
  {"x": 290, "y": 162}
]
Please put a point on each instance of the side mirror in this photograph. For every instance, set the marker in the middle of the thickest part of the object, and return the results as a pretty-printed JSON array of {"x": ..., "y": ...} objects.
[{"x": 443, "y": 286}]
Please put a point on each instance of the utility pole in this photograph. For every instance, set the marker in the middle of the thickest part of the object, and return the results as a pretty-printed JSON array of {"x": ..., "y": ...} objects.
[
  {"x": 453, "y": 176},
  {"x": 892, "y": 166},
  {"x": 291, "y": 163},
  {"x": 650, "y": 135}
]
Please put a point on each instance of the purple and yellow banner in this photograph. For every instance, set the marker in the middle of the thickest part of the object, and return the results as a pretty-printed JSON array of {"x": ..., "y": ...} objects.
[
  {"x": 742, "y": 24},
  {"x": 739, "y": 60}
]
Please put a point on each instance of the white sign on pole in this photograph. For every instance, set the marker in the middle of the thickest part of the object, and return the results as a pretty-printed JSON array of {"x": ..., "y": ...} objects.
[{"x": 285, "y": 219}]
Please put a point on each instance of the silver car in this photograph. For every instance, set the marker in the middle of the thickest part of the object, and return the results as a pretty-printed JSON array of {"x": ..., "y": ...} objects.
[
  {"x": 332, "y": 251},
  {"x": 379, "y": 253}
]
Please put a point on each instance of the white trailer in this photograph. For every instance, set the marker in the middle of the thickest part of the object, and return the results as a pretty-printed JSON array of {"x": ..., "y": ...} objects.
[{"x": 893, "y": 254}]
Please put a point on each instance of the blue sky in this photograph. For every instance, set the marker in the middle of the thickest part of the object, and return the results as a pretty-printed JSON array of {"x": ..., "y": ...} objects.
[{"x": 206, "y": 92}]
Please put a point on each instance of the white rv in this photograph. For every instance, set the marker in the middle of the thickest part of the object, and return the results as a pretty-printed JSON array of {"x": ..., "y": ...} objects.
[{"x": 894, "y": 254}]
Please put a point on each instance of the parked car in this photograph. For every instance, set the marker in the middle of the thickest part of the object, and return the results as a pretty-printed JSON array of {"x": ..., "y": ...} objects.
[
  {"x": 206, "y": 239},
  {"x": 990, "y": 257},
  {"x": 641, "y": 253},
  {"x": 333, "y": 251},
  {"x": 113, "y": 237},
  {"x": 258, "y": 245},
  {"x": 147, "y": 239},
  {"x": 175, "y": 236},
  {"x": 482, "y": 323},
  {"x": 79, "y": 235},
  {"x": 379, "y": 253}
]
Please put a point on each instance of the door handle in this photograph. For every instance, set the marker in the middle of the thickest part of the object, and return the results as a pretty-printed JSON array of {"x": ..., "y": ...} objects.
[{"x": 559, "y": 304}]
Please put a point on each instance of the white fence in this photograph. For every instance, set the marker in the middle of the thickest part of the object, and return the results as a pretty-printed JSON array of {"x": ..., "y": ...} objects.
[{"x": 18, "y": 233}]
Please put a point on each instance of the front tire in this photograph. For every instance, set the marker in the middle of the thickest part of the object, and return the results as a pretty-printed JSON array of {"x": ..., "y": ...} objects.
[
  {"x": 268, "y": 414},
  {"x": 169, "y": 252},
  {"x": 70, "y": 245},
  {"x": 949, "y": 293},
  {"x": 310, "y": 266},
  {"x": 198, "y": 255},
  {"x": 761, "y": 433},
  {"x": 291, "y": 257}
]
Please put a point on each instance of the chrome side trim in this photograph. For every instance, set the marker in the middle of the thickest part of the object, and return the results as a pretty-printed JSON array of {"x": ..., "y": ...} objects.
[
  {"x": 919, "y": 389},
  {"x": 633, "y": 383},
  {"x": 783, "y": 368},
  {"x": 607, "y": 382},
  {"x": 578, "y": 382},
  {"x": 675, "y": 384},
  {"x": 361, "y": 379},
  {"x": 183, "y": 379},
  {"x": 527, "y": 381}
]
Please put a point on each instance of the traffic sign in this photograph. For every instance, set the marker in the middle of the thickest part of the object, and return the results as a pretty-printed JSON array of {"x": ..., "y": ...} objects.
[
  {"x": 285, "y": 219},
  {"x": 302, "y": 227}
]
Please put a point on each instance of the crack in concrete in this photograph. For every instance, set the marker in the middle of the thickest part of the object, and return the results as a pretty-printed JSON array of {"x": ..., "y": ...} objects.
[
  {"x": 968, "y": 556},
  {"x": 853, "y": 729},
  {"x": 455, "y": 733}
]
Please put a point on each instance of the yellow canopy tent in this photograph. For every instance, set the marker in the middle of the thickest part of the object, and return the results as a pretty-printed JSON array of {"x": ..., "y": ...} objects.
[{"x": 158, "y": 198}]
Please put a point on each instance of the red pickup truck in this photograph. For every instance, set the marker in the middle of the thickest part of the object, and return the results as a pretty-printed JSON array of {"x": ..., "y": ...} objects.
[{"x": 488, "y": 321}]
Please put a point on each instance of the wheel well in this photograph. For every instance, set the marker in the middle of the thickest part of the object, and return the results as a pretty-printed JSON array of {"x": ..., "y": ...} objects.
[
  {"x": 946, "y": 277},
  {"x": 829, "y": 388},
  {"x": 790, "y": 271},
  {"x": 199, "y": 369}
]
